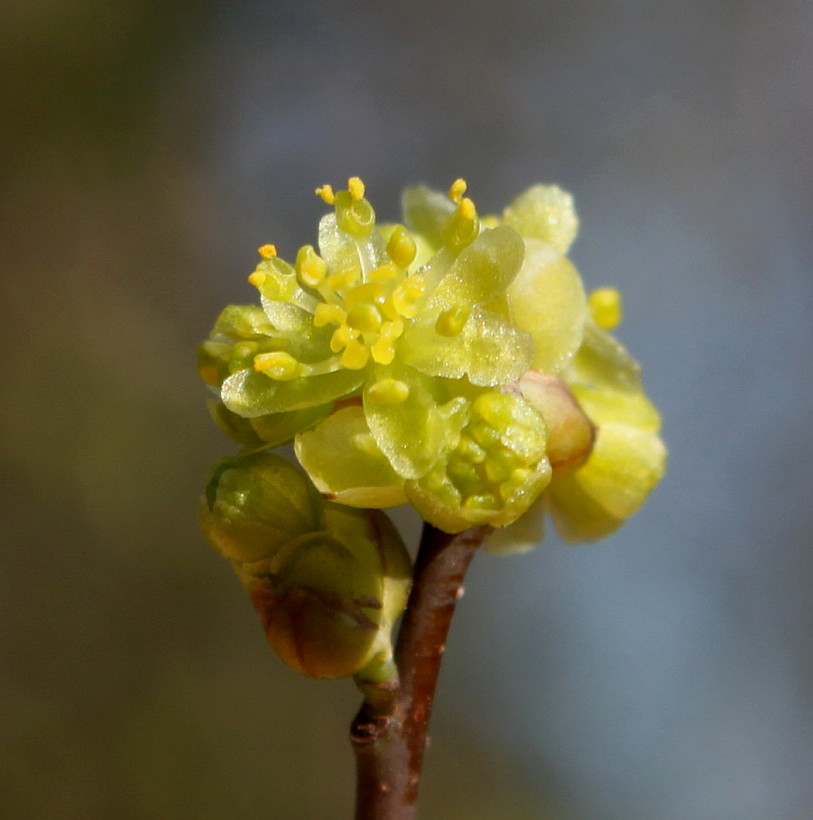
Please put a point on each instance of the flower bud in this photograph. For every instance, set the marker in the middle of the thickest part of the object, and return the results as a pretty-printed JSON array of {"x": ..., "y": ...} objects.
[
  {"x": 255, "y": 504},
  {"x": 494, "y": 472},
  {"x": 571, "y": 434},
  {"x": 328, "y": 601}
]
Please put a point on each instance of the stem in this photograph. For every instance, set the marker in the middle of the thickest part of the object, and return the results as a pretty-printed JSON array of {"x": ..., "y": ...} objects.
[{"x": 389, "y": 742}]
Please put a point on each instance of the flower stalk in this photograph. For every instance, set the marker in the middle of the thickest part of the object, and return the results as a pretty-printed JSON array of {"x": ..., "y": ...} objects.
[{"x": 389, "y": 744}]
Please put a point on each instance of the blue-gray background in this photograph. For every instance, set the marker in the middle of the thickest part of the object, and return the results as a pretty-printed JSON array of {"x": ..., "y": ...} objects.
[{"x": 148, "y": 148}]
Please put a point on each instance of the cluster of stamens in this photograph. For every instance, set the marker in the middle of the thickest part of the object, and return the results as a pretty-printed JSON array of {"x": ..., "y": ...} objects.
[{"x": 368, "y": 309}]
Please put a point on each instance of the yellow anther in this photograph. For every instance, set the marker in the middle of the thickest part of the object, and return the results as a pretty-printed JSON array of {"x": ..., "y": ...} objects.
[
  {"x": 257, "y": 278},
  {"x": 383, "y": 351},
  {"x": 384, "y": 348},
  {"x": 490, "y": 221},
  {"x": 405, "y": 297},
  {"x": 372, "y": 292},
  {"x": 356, "y": 187},
  {"x": 466, "y": 208},
  {"x": 605, "y": 307},
  {"x": 310, "y": 267},
  {"x": 328, "y": 314},
  {"x": 392, "y": 330},
  {"x": 355, "y": 355},
  {"x": 457, "y": 190},
  {"x": 343, "y": 279},
  {"x": 364, "y": 317},
  {"x": 383, "y": 273},
  {"x": 267, "y": 251},
  {"x": 451, "y": 322},
  {"x": 278, "y": 365},
  {"x": 342, "y": 337},
  {"x": 401, "y": 247},
  {"x": 325, "y": 192},
  {"x": 388, "y": 391}
]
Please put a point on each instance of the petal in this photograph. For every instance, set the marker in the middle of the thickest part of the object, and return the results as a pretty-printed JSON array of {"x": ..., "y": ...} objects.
[
  {"x": 489, "y": 350},
  {"x": 481, "y": 272},
  {"x": 547, "y": 300},
  {"x": 243, "y": 322},
  {"x": 544, "y": 212},
  {"x": 625, "y": 465},
  {"x": 251, "y": 394},
  {"x": 343, "y": 253},
  {"x": 603, "y": 362},
  {"x": 415, "y": 431},
  {"x": 345, "y": 463},
  {"x": 523, "y": 535},
  {"x": 425, "y": 210}
]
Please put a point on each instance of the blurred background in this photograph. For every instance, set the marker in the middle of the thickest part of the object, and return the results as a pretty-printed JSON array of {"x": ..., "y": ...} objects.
[{"x": 148, "y": 148}]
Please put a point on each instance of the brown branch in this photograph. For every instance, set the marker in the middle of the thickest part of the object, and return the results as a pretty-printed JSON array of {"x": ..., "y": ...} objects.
[{"x": 389, "y": 743}]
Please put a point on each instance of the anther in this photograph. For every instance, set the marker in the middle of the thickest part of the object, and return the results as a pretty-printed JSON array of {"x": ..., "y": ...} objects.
[
  {"x": 356, "y": 187},
  {"x": 401, "y": 247},
  {"x": 388, "y": 391},
  {"x": 457, "y": 189},
  {"x": 451, "y": 322},
  {"x": 605, "y": 307},
  {"x": 257, "y": 278},
  {"x": 267, "y": 251},
  {"x": 310, "y": 267},
  {"x": 278, "y": 365},
  {"x": 325, "y": 192}
]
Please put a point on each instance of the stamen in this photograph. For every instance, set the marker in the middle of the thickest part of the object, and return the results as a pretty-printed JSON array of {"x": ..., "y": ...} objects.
[
  {"x": 342, "y": 337},
  {"x": 325, "y": 192},
  {"x": 401, "y": 247},
  {"x": 310, "y": 267},
  {"x": 605, "y": 307},
  {"x": 467, "y": 209},
  {"x": 388, "y": 391},
  {"x": 328, "y": 314},
  {"x": 257, "y": 278},
  {"x": 457, "y": 190},
  {"x": 364, "y": 317},
  {"x": 267, "y": 251},
  {"x": 279, "y": 365},
  {"x": 356, "y": 187},
  {"x": 451, "y": 322},
  {"x": 355, "y": 355}
]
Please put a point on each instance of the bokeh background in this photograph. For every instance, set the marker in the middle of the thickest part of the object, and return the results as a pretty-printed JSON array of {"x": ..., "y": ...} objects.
[{"x": 147, "y": 148}]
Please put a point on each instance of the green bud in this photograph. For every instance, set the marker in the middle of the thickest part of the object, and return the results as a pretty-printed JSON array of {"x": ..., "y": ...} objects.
[
  {"x": 494, "y": 472},
  {"x": 329, "y": 600},
  {"x": 255, "y": 504}
]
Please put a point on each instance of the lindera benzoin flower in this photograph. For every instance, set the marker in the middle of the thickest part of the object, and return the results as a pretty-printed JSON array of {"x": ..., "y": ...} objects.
[{"x": 452, "y": 362}]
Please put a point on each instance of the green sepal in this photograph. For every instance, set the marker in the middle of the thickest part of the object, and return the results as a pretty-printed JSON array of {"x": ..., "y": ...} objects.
[
  {"x": 346, "y": 464},
  {"x": 251, "y": 394}
]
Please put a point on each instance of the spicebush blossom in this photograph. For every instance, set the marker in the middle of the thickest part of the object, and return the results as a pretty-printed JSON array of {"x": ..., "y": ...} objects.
[{"x": 453, "y": 362}]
